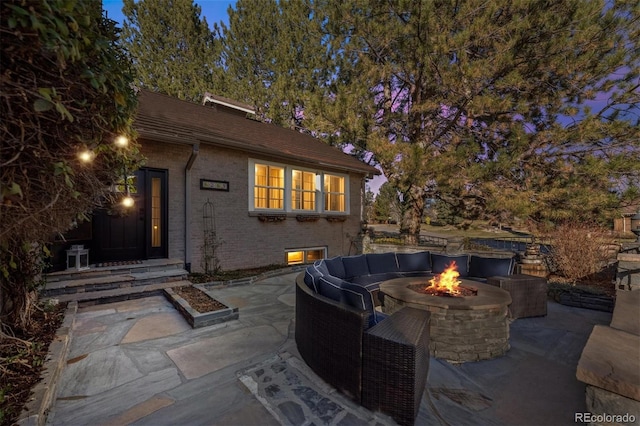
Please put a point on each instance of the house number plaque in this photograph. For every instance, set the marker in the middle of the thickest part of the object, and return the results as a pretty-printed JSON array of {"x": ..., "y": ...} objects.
[{"x": 214, "y": 185}]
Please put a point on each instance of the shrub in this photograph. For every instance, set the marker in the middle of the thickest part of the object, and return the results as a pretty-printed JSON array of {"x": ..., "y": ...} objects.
[{"x": 579, "y": 251}]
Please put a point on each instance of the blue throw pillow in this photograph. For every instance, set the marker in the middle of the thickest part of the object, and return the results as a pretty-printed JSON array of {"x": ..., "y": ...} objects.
[
  {"x": 335, "y": 267},
  {"x": 440, "y": 262},
  {"x": 414, "y": 262},
  {"x": 329, "y": 286},
  {"x": 321, "y": 267},
  {"x": 355, "y": 266},
  {"x": 485, "y": 267},
  {"x": 382, "y": 263},
  {"x": 310, "y": 278}
]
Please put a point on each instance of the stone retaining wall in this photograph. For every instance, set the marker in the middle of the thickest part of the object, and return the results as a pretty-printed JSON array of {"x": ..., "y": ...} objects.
[{"x": 609, "y": 363}]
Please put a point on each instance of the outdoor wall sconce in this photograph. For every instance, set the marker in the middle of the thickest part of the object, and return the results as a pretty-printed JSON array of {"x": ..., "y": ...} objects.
[{"x": 78, "y": 258}]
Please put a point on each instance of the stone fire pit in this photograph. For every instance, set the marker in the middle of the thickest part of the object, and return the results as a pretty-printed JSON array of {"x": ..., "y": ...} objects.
[{"x": 470, "y": 328}]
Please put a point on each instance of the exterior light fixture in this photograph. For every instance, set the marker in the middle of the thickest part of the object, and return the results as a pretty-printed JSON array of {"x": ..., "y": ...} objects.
[
  {"x": 122, "y": 141},
  {"x": 86, "y": 156},
  {"x": 78, "y": 258},
  {"x": 128, "y": 201}
]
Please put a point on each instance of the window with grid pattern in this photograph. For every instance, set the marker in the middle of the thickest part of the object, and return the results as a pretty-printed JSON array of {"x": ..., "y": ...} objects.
[
  {"x": 268, "y": 190},
  {"x": 303, "y": 194},
  {"x": 334, "y": 195}
]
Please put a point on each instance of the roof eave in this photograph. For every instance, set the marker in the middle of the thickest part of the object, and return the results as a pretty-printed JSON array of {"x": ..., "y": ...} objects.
[{"x": 185, "y": 139}]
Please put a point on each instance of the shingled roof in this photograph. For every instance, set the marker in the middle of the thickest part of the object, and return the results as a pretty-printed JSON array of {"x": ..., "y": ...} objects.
[{"x": 167, "y": 119}]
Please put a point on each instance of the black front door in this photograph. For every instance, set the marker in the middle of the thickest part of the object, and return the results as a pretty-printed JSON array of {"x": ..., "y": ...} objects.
[{"x": 137, "y": 232}]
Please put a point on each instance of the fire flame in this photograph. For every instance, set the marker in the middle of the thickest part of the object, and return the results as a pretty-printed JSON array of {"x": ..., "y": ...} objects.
[{"x": 447, "y": 281}]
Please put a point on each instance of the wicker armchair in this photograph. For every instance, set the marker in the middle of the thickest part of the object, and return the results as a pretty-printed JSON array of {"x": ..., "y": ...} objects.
[{"x": 391, "y": 358}]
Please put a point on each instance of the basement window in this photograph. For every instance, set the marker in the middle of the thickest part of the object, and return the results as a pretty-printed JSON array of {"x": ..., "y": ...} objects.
[{"x": 305, "y": 255}]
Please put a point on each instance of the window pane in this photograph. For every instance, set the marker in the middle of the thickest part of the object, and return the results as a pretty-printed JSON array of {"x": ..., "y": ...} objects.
[
  {"x": 156, "y": 213},
  {"x": 268, "y": 191},
  {"x": 276, "y": 198},
  {"x": 334, "y": 198},
  {"x": 313, "y": 255},
  {"x": 303, "y": 194},
  {"x": 294, "y": 257},
  {"x": 261, "y": 175},
  {"x": 260, "y": 197}
]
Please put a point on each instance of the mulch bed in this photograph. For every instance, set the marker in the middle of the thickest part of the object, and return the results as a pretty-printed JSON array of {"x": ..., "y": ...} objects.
[
  {"x": 198, "y": 300},
  {"x": 21, "y": 363}
]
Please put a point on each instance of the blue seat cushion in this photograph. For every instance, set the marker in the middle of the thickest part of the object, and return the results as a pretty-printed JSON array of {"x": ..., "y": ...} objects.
[
  {"x": 355, "y": 266},
  {"x": 440, "y": 262},
  {"x": 310, "y": 278},
  {"x": 365, "y": 280},
  {"x": 360, "y": 298},
  {"x": 484, "y": 267},
  {"x": 414, "y": 262},
  {"x": 335, "y": 267},
  {"x": 382, "y": 263},
  {"x": 321, "y": 267},
  {"x": 313, "y": 272},
  {"x": 330, "y": 286}
]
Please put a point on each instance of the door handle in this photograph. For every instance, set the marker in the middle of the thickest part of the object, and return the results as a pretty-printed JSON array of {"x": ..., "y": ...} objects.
[{"x": 141, "y": 214}]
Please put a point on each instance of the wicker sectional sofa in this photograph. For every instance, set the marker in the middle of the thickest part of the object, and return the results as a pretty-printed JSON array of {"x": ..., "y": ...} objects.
[
  {"x": 336, "y": 277},
  {"x": 379, "y": 361}
]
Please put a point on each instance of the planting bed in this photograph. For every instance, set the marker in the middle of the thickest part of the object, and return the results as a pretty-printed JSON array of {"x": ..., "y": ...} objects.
[{"x": 198, "y": 307}]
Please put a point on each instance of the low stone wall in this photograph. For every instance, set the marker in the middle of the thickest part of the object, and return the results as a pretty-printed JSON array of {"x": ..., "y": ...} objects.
[
  {"x": 463, "y": 329},
  {"x": 609, "y": 364},
  {"x": 601, "y": 402}
]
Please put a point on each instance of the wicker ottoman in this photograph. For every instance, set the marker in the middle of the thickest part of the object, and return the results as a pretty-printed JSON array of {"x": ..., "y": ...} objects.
[
  {"x": 395, "y": 364},
  {"x": 528, "y": 294}
]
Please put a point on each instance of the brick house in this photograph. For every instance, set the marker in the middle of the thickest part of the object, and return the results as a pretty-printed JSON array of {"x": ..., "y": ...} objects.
[{"x": 268, "y": 195}]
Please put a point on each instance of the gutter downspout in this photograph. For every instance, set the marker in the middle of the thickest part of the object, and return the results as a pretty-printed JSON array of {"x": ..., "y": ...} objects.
[{"x": 187, "y": 206}]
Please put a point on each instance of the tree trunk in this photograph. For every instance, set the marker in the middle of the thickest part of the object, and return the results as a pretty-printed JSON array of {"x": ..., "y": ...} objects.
[
  {"x": 17, "y": 307},
  {"x": 412, "y": 212},
  {"x": 19, "y": 285}
]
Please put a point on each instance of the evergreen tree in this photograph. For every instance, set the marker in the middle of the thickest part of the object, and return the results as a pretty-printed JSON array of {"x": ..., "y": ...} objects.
[
  {"x": 172, "y": 48},
  {"x": 65, "y": 95},
  {"x": 368, "y": 205},
  {"x": 491, "y": 106},
  {"x": 272, "y": 58},
  {"x": 387, "y": 204}
]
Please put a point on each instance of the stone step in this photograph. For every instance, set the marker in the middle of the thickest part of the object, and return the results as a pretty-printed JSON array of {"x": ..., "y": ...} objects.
[
  {"x": 117, "y": 294},
  {"x": 116, "y": 268},
  {"x": 102, "y": 283}
]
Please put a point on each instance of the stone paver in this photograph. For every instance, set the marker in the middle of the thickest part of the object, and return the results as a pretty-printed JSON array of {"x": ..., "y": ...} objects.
[
  {"x": 155, "y": 326},
  {"x": 223, "y": 351},
  {"x": 137, "y": 362}
]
